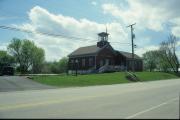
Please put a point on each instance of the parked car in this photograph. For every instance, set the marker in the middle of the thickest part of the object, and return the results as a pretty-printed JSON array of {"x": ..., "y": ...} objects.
[{"x": 7, "y": 70}]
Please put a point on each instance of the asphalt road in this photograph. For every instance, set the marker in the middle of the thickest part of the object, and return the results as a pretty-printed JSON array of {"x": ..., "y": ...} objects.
[
  {"x": 158, "y": 99},
  {"x": 18, "y": 83}
]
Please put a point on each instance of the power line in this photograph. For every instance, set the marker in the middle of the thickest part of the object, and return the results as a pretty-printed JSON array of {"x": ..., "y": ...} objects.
[
  {"x": 41, "y": 33},
  {"x": 121, "y": 43},
  {"x": 50, "y": 34}
]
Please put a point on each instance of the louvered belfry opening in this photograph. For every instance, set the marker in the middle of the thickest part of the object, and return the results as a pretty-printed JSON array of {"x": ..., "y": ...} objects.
[{"x": 102, "y": 39}]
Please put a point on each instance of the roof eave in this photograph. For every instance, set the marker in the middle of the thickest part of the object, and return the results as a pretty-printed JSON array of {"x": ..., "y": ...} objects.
[{"x": 82, "y": 55}]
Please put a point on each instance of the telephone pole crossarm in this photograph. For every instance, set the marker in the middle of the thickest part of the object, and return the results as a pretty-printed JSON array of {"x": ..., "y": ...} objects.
[{"x": 131, "y": 25}]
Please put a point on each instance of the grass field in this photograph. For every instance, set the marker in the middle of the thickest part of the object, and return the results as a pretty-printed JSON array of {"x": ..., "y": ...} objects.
[{"x": 98, "y": 79}]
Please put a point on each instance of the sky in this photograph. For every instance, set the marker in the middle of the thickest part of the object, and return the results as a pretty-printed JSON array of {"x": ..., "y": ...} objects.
[{"x": 155, "y": 21}]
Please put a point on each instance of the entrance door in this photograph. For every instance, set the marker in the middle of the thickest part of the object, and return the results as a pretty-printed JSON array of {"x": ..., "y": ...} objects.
[
  {"x": 107, "y": 61},
  {"x": 101, "y": 63}
]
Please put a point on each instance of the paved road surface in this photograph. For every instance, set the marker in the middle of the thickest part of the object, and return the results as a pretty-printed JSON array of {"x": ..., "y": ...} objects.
[
  {"x": 158, "y": 99},
  {"x": 16, "y": 83}
]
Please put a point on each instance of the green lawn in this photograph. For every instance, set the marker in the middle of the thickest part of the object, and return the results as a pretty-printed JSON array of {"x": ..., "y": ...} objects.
[
  {"x": 98, "y": 79},
  {"x": 149, "y": 76}
]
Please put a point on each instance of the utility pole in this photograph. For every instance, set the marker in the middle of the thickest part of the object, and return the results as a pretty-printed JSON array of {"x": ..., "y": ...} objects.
[
  {"x": 132, "y": 37},
  {"x": 76, "y": 65}
]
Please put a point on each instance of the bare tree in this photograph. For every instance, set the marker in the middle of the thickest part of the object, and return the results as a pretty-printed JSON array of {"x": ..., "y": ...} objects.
[{"x": 168, "y": 52}]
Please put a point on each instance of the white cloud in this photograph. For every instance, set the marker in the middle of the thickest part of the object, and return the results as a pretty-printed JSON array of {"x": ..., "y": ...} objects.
[
  {"x": 152, "y": 14},
  {"x": 55, "y": 48},
  {"x": 176, "y": 31},
  {"x": 176, "y": 27},
  {"x": 142, "y": 50}
]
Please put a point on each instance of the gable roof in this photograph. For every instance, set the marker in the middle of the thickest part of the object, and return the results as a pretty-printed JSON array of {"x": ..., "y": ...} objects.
[
  {"x": 85, "y": 50},
  {"x": 93, "y": 49},
  {"x": 89, "y": 50},
  {"x": 128, "y": 55}
]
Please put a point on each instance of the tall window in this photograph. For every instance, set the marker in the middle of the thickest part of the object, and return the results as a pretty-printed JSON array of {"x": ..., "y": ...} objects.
[
  {"x": 83, "y": 62},
  {"x": 90, "y": 61}
]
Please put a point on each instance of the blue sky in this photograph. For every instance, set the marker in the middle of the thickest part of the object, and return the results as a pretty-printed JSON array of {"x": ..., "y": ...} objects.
[{"x": 155, "y": 20}]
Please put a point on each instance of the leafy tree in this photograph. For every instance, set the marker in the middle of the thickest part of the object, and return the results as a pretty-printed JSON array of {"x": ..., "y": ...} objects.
[
  {"x": 5, "y": 58},
  {"x": 15, "y": 50},
  {"x": 56, "y": 66},
  {"x": 27, "y": 55},
  {"x": 150, "y": 63},
  {"x": 38, "y": 60},
  {"x": 63, "y": 63},
  {"x": 161, "y": 64},
  {"x": 46, "y": 67}
]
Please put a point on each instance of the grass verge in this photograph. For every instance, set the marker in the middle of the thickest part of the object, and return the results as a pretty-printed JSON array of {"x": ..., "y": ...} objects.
[{"x": 98, "y": 79}]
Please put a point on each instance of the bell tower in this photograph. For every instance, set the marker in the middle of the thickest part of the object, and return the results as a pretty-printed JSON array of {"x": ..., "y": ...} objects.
[{"x": 102, "y": 39}]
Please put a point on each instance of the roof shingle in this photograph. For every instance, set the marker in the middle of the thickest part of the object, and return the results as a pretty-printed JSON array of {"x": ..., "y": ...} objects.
[
  {"x": 91, "y": 50},
  {"x": 85, "y": 50},
  {"x": 128, "y": 55}
]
